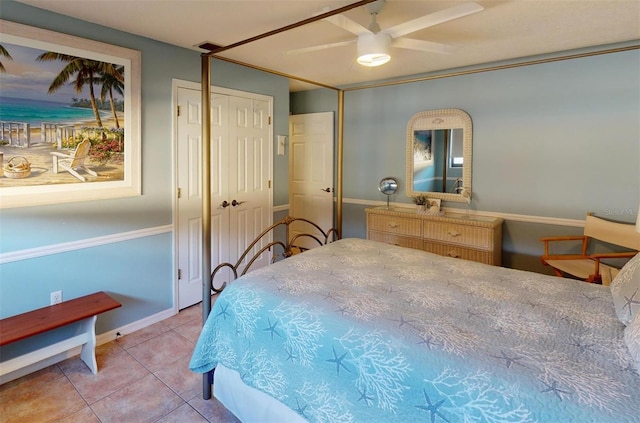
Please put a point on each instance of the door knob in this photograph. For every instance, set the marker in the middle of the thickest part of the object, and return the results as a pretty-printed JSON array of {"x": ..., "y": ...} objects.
[
  {"x": 225, "y": 204},
  {"x": 236, "y": 203},
  {"x": 325, "y": 189}
]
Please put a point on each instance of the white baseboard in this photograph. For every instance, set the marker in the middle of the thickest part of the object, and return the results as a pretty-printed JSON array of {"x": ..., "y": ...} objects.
[
  {"x": 109, "y": 336},
  {"x": 103, "y": 338}
]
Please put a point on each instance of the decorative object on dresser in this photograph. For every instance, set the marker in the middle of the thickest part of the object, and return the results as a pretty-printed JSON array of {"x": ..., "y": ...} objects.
[
  {"x": 475, "y": 238},
  {"x": 388, "y": 186},
  {"x": 425, "y": 205}
]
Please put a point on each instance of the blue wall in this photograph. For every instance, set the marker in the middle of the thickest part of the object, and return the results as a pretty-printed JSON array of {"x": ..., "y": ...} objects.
[
  {"x": 553, "y": 140},
  {"x": 139, "y": 272}
]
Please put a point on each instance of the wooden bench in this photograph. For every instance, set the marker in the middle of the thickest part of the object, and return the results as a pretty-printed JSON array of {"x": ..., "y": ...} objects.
[{"x": 84, "y": 309}]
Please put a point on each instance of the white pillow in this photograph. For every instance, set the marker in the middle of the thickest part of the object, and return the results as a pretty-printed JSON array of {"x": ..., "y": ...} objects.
[
  {"x": 625, "y": 290},
  {"x": 632, "y": 339}
]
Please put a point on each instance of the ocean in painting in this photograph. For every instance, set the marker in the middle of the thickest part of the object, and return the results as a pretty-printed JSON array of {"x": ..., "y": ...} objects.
[{"x": 35, "y": 112}]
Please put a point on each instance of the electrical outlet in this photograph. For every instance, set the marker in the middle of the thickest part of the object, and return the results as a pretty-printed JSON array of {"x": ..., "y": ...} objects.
[{"x": 56, "y": 297}]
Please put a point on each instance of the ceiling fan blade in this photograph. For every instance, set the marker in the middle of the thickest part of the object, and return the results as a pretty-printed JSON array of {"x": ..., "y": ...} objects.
[
  {"x": 320, "y": 47},
  {"x": 433, "y": 19},
  {"x": 346, "y": 23},
  {"x": 421, "y": 45}
]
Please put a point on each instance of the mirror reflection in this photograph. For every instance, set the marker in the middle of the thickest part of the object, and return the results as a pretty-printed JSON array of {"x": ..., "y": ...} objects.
[
  {"x": 388, "y": 186},
  {"x": 439, "y": 155},
  {"x": 438, "y": 160}
]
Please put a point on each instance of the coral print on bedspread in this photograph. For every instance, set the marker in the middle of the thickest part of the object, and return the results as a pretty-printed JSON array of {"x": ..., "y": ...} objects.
[{"x": 359, "y": 331}]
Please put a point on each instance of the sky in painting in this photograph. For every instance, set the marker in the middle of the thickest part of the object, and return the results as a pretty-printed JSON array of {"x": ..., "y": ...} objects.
[{"x": 27, "y": 78}]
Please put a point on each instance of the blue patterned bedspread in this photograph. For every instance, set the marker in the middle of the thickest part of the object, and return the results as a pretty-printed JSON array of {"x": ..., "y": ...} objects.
[{"x": 359, "y": 331}]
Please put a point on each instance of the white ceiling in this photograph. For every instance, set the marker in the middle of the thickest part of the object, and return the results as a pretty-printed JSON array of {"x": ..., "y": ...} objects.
[{"x": 505, "y": 29}]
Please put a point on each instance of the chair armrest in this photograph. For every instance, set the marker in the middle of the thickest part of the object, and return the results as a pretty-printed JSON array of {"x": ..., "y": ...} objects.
[
  {"x": 559, "y": 238},
  {"x": 57, "y": 154},
  {"x": 564, "y": 257},
  {"x": 550, "y": 239},
  {"x": 598, "y": 256}
]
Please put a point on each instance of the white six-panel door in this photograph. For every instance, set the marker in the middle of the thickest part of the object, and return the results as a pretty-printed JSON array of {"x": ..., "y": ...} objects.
[
  {"x": 311, "y": 171},
  {"x": 249, "y": 177},
  {"x": 241, "y": 144}
]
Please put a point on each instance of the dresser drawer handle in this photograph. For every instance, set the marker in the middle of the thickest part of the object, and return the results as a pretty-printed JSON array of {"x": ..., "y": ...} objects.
[
  {"x": 453, "y": 233},
  {"x": 393, "y": 225},
  {"x": 453, "y": 254}
]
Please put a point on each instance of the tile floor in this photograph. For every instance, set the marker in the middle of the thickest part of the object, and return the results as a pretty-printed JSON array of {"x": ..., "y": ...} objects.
[{"x": 142, "y": 377}]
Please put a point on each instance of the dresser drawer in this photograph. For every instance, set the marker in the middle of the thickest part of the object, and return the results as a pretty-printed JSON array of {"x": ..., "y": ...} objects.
[
  {"x": 469, "y": 238},
  {"x": 456, "y": 251},
  {"x": 402, "y": 241},
  {"x": 464, "y": 235},
  {"x": 394, "y": 225}
]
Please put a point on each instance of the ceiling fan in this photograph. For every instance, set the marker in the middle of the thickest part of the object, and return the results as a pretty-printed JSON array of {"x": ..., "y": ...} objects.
[{"x": 373, "y": 43}]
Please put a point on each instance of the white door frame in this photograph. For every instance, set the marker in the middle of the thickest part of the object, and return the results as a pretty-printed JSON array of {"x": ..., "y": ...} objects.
[{"x": 175, "y": 85}]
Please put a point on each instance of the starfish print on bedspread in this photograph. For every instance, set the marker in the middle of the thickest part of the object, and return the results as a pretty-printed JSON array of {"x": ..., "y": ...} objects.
[
  {"x": 272, "y": 328},
  {"x": 290, "y": 355},
  {"x": 630, "y": 301},
  {"x": 590, "y": 298},
  {"x": 272, "y": 278},
  {"x": 508, "y": 360},
  {"x": 329, "y": 296},
  {"x": 630, "y": 368},
  {"x": 427, "y": 340},
  {"x": 581, "y": 347},
  {"x": 300, "y": 409},
  {"x": 223, "y": 311},
  {"x": 554, "y": 388},
  {"x": 342, "y": 310},
  {"x": 472, "y": 313},
  {"x": 338, "y": 361},
  {"x": 403, "y": 322},
  {"x": 363, "y": 396},
  {"x": 433, "y": 409}
]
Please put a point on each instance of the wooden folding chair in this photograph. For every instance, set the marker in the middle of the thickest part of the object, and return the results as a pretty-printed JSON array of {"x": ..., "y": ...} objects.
[{"x": 588, "y": 266}]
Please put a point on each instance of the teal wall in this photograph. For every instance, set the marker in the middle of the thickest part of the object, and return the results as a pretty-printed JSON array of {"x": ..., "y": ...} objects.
[
  {"x": 138, "y": 272},
  {"x": 553, "y": 140}
]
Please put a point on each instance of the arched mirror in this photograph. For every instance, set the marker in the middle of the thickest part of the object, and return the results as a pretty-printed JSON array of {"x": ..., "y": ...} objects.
[{"x": 439, "y": 146}]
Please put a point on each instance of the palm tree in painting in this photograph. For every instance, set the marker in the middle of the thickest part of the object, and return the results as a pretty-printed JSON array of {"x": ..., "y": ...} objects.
[
  {"x": 85, "y": 71},
  {"x": 4, "y": 53},
  {"x": 112, "y": 81}
]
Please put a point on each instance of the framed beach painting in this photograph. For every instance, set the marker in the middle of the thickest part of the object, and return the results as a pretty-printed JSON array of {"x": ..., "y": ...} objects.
[{"x": 69, "y": 118}]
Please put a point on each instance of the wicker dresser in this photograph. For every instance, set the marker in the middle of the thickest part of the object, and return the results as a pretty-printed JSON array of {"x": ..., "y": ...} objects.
[{"x": 475, "y": 238}]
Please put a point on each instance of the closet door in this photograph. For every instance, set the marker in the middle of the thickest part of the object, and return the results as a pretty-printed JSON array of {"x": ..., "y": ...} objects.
[
  {"x": 189, "y": 204},
  {"x": 241, "y": 169},
  {"x": 249, "y": 177},
  {"x": 220, "y": 211}
]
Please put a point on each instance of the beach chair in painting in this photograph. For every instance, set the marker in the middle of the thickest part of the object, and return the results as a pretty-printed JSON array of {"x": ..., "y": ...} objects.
[{"x": 74, "y": 161}]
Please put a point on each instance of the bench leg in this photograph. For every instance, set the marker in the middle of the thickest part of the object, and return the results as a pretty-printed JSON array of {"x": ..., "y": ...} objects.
[{"x": 88, "y": 354}]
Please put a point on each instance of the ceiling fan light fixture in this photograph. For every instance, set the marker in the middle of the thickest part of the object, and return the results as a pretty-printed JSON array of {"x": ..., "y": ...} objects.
[{"x": 373, "y": 49}]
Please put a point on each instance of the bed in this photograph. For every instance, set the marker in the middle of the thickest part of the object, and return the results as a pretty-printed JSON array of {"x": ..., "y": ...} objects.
[{"x": 360, "y": 331}]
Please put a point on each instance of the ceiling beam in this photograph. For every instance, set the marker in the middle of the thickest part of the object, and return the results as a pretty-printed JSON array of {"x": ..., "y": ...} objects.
[{"x": 220, "y": 49}]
